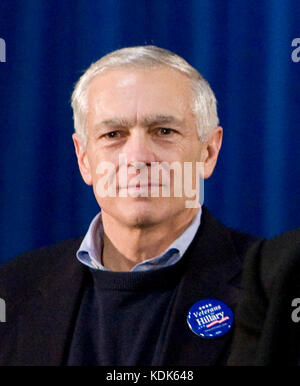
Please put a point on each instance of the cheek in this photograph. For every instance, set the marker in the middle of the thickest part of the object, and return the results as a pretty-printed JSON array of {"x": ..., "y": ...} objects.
[
  {"x": 189, "y": 152},
  {"x": 95, "y": 156},
  {"x": 103, "y": 170},
  {"x": 197, "y": 151},
  {"x": 91, "y": 162}
]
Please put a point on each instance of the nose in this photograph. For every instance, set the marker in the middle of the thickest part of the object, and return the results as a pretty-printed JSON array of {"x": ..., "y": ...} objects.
[{"x": 138, "y": 148}]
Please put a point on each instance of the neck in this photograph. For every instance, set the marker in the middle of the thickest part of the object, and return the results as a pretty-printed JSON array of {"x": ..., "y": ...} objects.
[{"x": 125, "y": 246}]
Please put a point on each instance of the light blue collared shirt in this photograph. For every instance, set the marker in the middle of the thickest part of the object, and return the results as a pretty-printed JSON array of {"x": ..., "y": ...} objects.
[{"x": 90, "y": 250}]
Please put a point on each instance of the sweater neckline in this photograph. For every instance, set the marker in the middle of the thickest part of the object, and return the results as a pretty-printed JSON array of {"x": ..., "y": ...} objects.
[{"x": 162, "y": 278}]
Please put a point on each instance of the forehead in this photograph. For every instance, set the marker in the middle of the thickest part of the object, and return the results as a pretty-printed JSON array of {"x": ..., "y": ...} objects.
[{"x": 140, "y": 91}]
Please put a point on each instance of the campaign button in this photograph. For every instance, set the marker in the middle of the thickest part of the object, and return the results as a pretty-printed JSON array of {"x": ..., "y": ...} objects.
[{"x": 210, "y": 318}]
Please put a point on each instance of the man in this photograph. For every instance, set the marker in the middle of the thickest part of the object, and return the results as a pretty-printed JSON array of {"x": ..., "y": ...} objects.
[
  {"x": 267, "y": 321},
  {"x": 124, "y": 294}
]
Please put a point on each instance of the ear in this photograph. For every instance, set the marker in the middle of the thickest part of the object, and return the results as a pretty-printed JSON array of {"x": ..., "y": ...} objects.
[
  {"x": 82, "y": 159},
  {"x": 211, "y": 150}
]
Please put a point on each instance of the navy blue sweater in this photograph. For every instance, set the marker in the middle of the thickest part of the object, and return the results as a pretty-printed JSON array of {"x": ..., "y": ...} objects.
[{"x": 123, "y": 317}]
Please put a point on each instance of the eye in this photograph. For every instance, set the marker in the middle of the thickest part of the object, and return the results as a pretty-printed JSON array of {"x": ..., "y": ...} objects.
[
  {"x": 112, "y": 134},
  {"x": 165, "y": 131}
]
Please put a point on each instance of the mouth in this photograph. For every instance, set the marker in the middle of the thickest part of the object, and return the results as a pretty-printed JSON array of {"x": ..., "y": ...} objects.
[{"x": 138, "y": 185}]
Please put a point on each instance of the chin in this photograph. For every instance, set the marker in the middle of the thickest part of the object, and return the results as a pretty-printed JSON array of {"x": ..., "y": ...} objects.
[
  {"x": 137, "y": 212},
  {"x": 142, "y": 214}
]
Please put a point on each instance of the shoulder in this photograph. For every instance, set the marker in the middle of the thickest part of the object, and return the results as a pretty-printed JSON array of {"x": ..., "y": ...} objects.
[
  {"x": 41, "y": 257},
  {"x": 265, "y": 333},
  {"x": 278, "y": 259},
  {"x": 269, "y": 260},
  {"x": 28, "y": 268},
  {"x": 241, "y": 241},
  {"x": 274, "y": 251},
  {"x": 272, "y": 267}
]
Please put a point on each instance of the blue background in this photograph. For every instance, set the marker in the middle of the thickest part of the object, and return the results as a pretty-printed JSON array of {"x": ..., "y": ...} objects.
[{"x": 244, "y": 50}]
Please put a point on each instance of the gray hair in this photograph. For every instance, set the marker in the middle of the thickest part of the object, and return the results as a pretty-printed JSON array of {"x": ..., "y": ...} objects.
[{"x": 204, "y": 101}]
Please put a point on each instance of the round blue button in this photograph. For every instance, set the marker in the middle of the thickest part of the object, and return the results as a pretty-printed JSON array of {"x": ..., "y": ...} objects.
[{"x": 210, "y": 318}]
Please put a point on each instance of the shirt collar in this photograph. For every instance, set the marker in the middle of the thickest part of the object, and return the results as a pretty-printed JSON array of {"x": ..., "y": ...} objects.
[{"x": 90, "y": 250}]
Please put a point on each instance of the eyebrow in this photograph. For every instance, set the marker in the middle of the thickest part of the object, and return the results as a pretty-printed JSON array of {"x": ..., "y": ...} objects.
[
  {"x": 161, "y": 119},
  {"x": 146, "y": 122}
]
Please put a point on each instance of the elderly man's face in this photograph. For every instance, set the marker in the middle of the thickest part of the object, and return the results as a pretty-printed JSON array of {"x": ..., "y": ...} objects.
[{"x": 145, "y": 115}]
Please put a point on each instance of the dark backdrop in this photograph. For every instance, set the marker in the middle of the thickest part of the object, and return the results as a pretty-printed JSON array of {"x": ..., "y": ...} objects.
[{"x": 244, "y": 50}]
